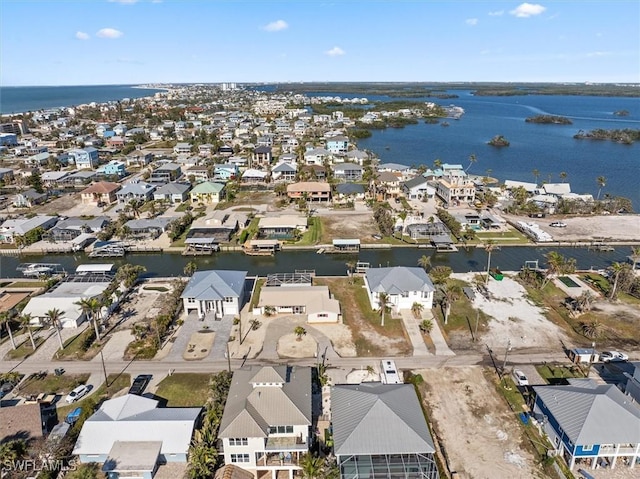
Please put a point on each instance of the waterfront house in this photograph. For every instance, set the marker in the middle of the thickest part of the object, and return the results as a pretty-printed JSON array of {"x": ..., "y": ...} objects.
[
  {"x": 338, "y": 144},
  {"x": 172, "y": 192},
  {"x": 39, "y": 159},
  {"x": 403, "y": 285},
  {"x": 54, "y": 178},
  {"x": 217, "y": 292},
  {"x": 130, "y": 436},
  {"x": 207, "y": 193},
  {"x": 21, "y": 226},
  {"x": 148, "y": 227},
  {"x": 388, "y": 183},
  {"x": 102, "y": 192},
  {"x": 589, "y": 424},
  {"x": 313, "y": 172},
  {"x": 309, "y": 191},
  {"x": 266, "y": 424},
  {"x": 113, "y": 168},
  {"x": 378, "y": 428},
  {"x": 454, "y": 190},
  {"x": 70, "y": 228},
  {"x": 313, "y": 302},
  {"x": 86, "y": 158},
  {"x": 281, "y": 227},
  {"x": 347, "y": 172},
  {"x": 632, "y": 387},
  {"x": 166, "y": 173},
  {"x": 139, "y": 191},
  {"x": 316, "y": 156},
  {"x": 357, "y": 156}
]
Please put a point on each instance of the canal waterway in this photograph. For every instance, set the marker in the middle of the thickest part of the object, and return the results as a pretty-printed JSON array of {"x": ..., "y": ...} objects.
[{"x": 474, "y": 259}]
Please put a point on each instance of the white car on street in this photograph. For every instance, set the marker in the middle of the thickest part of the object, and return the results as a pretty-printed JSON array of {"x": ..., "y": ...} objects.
[
  {"x": 519, "y": 378},
  {"x": 77, "y": 393},
  {"x": 613, "y": 356}
]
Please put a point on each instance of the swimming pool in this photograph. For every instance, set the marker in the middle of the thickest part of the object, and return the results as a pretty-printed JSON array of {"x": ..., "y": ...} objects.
[{"x": 568, "y": 282}]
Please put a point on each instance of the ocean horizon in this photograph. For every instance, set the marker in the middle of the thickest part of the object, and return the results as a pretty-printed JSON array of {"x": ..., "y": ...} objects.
[{"x": 16, "y": 99}]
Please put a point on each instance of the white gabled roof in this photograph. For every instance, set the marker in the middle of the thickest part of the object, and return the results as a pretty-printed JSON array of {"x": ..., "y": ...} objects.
[{"x": 398, "y": 280}]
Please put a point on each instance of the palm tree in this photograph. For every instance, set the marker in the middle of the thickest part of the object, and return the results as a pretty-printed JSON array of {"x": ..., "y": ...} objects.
[
  {"x": 536, "y": 174},
  {"x": 602, "y": 181},
  {"x": 190, "y": 268},
  {"x": 25, "y": 319},
  {"x": 299, "y": 331},
  {"x": 383, "y": 301},
  {"x": 557, "y": 264},
  {"x": 312, "y": 466},
  {"x": 591, "y": 329},
  {"x": 426, "y": 325},
  {"x": 403, "y": 216},
  {"x": 472, "y": 160},
  {"x": 563, "y": 176},
  {"x": 616, "y": 268},
  {"x": 53, "y": 316},
  {"x": 87, "y": 308},
  {"x": 370, "y": 371},
  {"x": 437, "y": 163},
  {"x": 450, "y": 294},
  {"x": 6, "y": 320},
  {"x": 488, "y": 247},
  {"x": 416, "y": 309},
  {"x": 585, "y": 300},
  {"x": 424, "y": 262},
  {"x": 135, "y": 207},
  {"x": 440, "y": 274}
]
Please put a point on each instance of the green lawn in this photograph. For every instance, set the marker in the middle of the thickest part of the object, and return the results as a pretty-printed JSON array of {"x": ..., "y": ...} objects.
[
  {"x": 185, "y": 389},
  {"x": 463, "y": 315},
  {"x": 313, "y": 234},
  {"x": 555, "y": 373},
  {"x": 117, "y": 382},
  {"x": 52, "y": 384},
  {"x": 28, "y": 284},
  {"x": 81, "y": 346},
  {"x": 25, "y": 349},
  {"x": 256, "y": 293}
]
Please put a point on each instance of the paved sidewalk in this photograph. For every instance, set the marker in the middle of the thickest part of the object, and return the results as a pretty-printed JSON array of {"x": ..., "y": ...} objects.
[
  {"x": 116, "y": 346},
  {"x": 413, "y": 330},
  {"x": 442, "y": 348}
]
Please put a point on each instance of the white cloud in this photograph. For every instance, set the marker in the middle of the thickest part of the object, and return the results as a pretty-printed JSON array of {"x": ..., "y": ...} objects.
[
  {"x": 124, "y": 2},
  {"x": 335, "y": 52},
  {"x": 471, "y": 21},
  {"x": 82, "y": 36},
  {"x": 528, "y": 10},
  {"x": 497, "y": 13},
  {"x": 276, "y": 26},
  {"x": 109, "y": 33},
  {"x": 599, "y": 54}
]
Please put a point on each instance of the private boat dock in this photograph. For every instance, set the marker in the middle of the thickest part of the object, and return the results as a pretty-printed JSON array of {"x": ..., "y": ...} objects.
[
  {"x": 36, "y": 270},
  {"x": 264, "y": 247}
]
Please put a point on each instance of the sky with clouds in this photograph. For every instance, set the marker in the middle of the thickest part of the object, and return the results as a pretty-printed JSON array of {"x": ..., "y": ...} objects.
[{"x": 77, "y": 42}]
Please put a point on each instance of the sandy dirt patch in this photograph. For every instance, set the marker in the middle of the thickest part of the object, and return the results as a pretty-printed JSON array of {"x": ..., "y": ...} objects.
[
  {"x": 290, "y": 347},
  {"x": 199, "y": 345},
  {"x": 358, "y": 376},
  {"x": 348, "y": 225},
  {"x": 616, "y": 227},
  {"x": 514, "y": 317},
  {"x": 481, "y": 436},
  {"x": 252, "y": 339},
  {"x": 340, "y": 337}
]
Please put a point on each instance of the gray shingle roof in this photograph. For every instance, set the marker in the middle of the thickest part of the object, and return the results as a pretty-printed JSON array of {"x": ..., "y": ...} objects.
[
  {"x": 215, "y": 284},
  {"x": 375, "y": 418},
  {"x": 398, "y": 279},
  {"x": 250, "y": 410},
  {"x": 592, "y": 415}
]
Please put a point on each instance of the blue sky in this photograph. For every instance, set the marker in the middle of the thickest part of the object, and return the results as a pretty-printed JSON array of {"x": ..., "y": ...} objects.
[{"x": 77, "y": 42}]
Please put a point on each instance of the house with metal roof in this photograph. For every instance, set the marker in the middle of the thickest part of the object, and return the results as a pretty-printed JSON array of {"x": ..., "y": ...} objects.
[
  {"x": 130, "y": 436},
  {"x": 139, "y": 191},
  {"x": 418, "y": 188},
  {"x": 404, "y": 286},
  {"x": 314, "y": 302},
  {"x": 219, "y": 292},
  {"x": 595, "y": 425},
  {"x": 207, "y": 193},
  {"x": 266, "y": 424},
  {"x": 379, "y": 430},
  {"x": 172, "y": 192},
  {"x": 348, "y": 171}
]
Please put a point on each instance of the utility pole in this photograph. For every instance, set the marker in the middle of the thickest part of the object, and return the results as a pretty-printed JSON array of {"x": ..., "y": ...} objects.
[
  {"x": 475, "y": 334},
  {"x": 504, "y": 363},
  {"x": 104, "y": 369},
  {"x": 228, "y": 357}
]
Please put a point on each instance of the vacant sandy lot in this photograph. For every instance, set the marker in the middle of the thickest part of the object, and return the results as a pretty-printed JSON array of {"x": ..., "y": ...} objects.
[
  {"x": 348, "y": 225},
  {"x": 514, "y": 317},
  {"x": 586, "y": 228},
  {"x": 480, "y": 435}
]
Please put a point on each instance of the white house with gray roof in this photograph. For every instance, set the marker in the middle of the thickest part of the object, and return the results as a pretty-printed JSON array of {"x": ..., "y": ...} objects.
[
  {"x": 404, "y": 286},
  {"x": 590, "y": 424},
  {"x": 266, "y": 424},
  {"x": 218, "y": 292},
  {"x": 379, "y": 430},
  {"x": 130, "y": 436}
]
